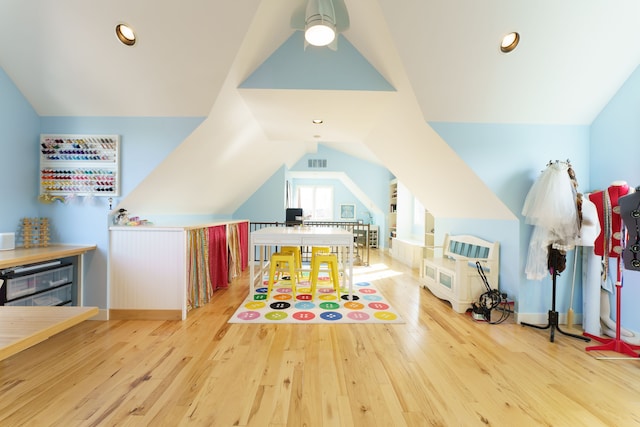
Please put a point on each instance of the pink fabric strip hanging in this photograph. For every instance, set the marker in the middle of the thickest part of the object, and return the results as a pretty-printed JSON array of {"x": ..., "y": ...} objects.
[{"x": 218, "y": 264}]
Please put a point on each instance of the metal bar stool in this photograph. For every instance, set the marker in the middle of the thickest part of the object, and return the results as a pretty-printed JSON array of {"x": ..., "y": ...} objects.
[
  {"x": 319, "y": 249},
  {"x": 297, "y": 252},
  {"x": 278, "y": 260},
  {"x": 331, "y": 260}
]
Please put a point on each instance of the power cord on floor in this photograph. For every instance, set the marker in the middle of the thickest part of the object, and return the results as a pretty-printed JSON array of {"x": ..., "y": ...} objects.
[{"x": 491, "y": 300}]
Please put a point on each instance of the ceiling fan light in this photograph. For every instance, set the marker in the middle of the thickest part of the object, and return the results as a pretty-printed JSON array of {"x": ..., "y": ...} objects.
[
  {"x": 319, "y": 34},
  {"x": 320, "y": 22}
]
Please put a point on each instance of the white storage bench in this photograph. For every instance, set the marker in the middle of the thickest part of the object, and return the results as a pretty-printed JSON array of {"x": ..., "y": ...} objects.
[{"x": 453, "y": 275}]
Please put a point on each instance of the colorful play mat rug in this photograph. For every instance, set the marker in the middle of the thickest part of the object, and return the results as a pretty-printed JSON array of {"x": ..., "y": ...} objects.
[{"x": 367, "y": 305}]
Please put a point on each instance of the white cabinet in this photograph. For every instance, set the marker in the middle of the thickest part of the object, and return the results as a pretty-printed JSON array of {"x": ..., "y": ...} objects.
[
  {"x": 408, "y": 252},
  {"x": 392, "y": 216},
  {"x": 150, "y": 266},
  {"x": 148, "y": 273}
]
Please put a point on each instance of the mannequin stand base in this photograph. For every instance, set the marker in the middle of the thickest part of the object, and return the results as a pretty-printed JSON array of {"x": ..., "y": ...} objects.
[
  {"x": 613, "y": 344},
  {"x": 553, "y": 326}
]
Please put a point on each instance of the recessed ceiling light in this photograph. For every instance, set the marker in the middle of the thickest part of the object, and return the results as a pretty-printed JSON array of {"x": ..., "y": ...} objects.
[
  {"x": 510, "y": 42},
  {"x": 317, "y": 121},
  {"x": 126, "y": 34}
]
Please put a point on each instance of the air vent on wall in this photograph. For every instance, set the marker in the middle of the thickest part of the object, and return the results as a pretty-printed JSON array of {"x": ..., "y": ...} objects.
[{"x": 317, "y": 163}]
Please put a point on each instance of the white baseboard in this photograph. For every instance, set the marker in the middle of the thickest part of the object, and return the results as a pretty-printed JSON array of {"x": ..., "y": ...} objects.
[{"x": 543, "y": 318}]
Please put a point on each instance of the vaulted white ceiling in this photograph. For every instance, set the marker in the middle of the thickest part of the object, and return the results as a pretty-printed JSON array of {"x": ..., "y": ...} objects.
[{"x": 441, "y": 57}]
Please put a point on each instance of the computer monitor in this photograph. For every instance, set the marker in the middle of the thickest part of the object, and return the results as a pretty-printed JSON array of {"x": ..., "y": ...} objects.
[{"x": 293, "y": 216}]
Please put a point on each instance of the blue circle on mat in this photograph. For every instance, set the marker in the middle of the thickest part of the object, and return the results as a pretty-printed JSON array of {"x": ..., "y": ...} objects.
[
  {"x": 363, "y": 284},
  {"x": 331, "y": 316},
  {"x": 261, "y": 290},
  {"x": 372, "y": 297},
  {"x": 305, "y": 305}
]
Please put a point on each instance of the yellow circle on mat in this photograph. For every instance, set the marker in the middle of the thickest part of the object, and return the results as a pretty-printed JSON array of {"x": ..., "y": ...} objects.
[
  {"x": 385, "y": 315},
  {"x": 327, "y": 297},
  {"x": 304, "y": 290},
  {"x": 352, "y": 305},
  {"x": 254, "y": 305}
]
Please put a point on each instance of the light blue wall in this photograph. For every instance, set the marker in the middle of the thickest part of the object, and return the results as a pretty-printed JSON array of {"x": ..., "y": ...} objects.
[
  {"x": 615, "y": 156},
  {"x": 145, "y": 142},
  {"x": 267, "y": 204},
  {"x": 316, "y": 68},
  {"x": 508, "y": 159},
  {"x": 373, "y": 179},
  {"x": 19, "y": 147}
]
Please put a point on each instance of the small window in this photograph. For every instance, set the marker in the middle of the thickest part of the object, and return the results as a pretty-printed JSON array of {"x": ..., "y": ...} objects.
[{"x": 316, "y": 202}]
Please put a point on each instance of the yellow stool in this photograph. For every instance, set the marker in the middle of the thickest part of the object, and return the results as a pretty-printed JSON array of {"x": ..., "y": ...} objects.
[
  {"x": 297, "y": 252},
  {"x": 319, "y": 250},
  {"x": 278, "y": 260},
  {"x": 331, "y": 260}
]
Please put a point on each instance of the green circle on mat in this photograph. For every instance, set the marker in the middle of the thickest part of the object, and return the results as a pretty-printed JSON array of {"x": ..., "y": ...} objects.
[
  {"x": 329, "y": 305},
  {"x": 276, "y": 315}
]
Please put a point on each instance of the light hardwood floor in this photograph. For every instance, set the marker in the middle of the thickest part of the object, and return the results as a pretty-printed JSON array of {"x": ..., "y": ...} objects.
[{"x": 439, "y": 368}]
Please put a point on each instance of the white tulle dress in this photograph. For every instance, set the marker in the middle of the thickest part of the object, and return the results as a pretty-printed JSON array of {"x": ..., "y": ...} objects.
[{"x": 550, "y": 206}]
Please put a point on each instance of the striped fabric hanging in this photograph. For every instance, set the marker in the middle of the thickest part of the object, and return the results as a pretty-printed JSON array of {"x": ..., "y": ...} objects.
[{"x": 199, "y": 286}]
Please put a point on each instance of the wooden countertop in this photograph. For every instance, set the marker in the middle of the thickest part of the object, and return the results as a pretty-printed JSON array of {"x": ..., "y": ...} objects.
[
  {"x": 20, "y": 256},
  {"x": 23, "y": 327}
]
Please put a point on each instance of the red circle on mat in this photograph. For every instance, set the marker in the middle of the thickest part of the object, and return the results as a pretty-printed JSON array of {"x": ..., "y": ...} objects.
[
  {"x": 303, "y": 297},
  {"x": 367, "y": 291},
  {"x": 378, "y": 306},
  {"x": 303, "y": 315}
]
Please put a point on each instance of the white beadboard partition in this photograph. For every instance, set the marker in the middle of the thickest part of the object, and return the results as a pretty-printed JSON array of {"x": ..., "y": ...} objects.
[{"x": 148, "y": 268}]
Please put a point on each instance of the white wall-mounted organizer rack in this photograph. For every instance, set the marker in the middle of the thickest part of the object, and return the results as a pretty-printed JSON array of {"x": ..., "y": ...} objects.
[{"x": 82, "y": 165}]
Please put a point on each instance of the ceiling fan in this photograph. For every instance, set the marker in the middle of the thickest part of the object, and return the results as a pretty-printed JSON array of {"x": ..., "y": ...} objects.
[{"x": 322, "y": 21}]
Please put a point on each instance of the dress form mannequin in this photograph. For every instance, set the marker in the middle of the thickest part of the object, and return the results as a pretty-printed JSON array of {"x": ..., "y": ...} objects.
[
  {"x": 552, "y": 206},
  {"x": 607, "y": 206},
  {"x": 630, "y": 213},
  {"x": 608, "y": 245},
  {"x": 590, "y": 268}
]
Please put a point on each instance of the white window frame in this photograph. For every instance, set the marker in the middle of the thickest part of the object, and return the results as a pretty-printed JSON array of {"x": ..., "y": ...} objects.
[{"x": 311, "y": 212}]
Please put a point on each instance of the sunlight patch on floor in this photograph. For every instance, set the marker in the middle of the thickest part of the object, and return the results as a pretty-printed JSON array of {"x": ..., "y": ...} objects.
[{"x": 373, "y": 272}]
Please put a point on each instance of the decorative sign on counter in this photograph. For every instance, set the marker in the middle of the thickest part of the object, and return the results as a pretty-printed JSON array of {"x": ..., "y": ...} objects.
[{"x": 83, "y": 165}]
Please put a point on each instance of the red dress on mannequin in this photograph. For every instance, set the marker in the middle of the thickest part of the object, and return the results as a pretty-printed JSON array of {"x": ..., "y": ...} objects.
[
  {"x": 608, "y": 245},
  {"x": 610, "y": 220}
]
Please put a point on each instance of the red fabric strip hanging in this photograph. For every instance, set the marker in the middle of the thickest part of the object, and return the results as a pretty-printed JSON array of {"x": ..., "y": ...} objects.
[{"x": 218, "y": 264}]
